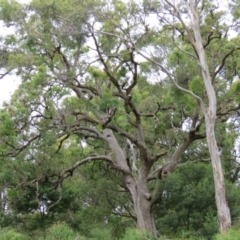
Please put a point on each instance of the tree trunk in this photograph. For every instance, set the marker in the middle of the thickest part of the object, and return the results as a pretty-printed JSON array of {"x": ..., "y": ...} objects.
[
  {"x": 210, "y": 114},
  {"x": 145, "y": 219},
  {"x": 142, "y": 203},
  {"x": 137, "y": 186},
  {"x": 224, "y": 217}
]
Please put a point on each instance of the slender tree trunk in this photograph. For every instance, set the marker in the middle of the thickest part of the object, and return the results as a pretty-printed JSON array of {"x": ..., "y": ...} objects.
[{"x": 224, "y": 217}]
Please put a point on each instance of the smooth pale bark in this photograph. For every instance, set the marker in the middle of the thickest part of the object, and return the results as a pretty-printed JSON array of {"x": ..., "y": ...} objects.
[{"x": 224, "y": 217}]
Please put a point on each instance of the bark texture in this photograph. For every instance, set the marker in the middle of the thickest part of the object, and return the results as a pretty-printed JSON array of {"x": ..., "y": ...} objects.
[
  {"x": 224, "y": 217},
  {"x": 137, "y": 186},
  {"x": 142, "y": 202}
]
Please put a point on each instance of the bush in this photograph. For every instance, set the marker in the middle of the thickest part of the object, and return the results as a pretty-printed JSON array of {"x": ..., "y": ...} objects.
[
  {"x": 135, "y": 234},
  {"x": 10, "y": 234},
  {"x": 99, "y": 234},
  {"x": 60, "y": 231},
  {"x": 232, "y": 234}
]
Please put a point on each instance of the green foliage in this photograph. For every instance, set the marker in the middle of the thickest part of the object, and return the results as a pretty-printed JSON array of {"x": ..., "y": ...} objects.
[
  {"x": 232, "y": 234},
  {"x": 81, "y": 73},
  {"x": 188, "y": 203},
  {"x": 235, "y": 90},
  {"x": 135, "y": 234},
  {"x": 233, "y": 201},
  {"x": 10, "y": 234},
  {"x": 99, "y": 234},
  {"x": 99, "y": 197},
  {"x": 60, "y": 231},
  {"x": 196, "y": 85},
  {"x": 11, "y": 12},
  {"x": 7, "y": 126}
]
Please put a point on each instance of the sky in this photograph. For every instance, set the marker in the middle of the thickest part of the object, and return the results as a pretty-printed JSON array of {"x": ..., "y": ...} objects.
[{"x": 7, "y": 87}]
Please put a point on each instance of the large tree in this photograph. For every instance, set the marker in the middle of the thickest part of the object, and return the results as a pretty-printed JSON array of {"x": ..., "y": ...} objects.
[
  {"x": 85, "y": 85},
  {"x": 206, "y": 42}
]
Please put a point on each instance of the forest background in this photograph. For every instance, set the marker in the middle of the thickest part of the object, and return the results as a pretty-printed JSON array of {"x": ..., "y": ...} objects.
[{"x": 126, "y": 122}]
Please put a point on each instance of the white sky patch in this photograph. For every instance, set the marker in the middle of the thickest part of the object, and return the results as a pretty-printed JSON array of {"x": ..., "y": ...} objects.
[
  {"x": 7, "y": 87},
  {"x": 24, "y": 1}
]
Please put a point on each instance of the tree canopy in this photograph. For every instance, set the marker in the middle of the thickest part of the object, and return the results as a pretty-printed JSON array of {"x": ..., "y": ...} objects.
[{"x": 123, "y": 107}]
